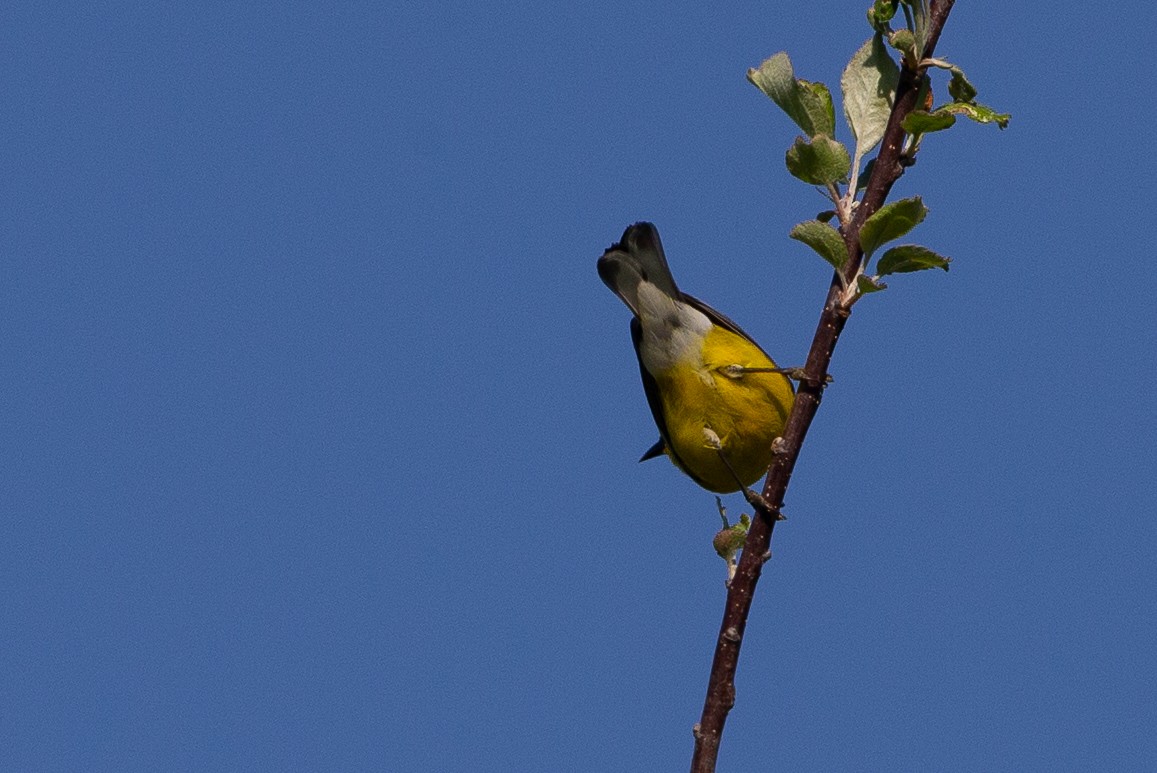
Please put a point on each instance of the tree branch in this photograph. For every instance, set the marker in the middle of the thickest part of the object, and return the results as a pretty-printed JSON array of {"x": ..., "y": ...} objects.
[{"x": 888, "y": 169}]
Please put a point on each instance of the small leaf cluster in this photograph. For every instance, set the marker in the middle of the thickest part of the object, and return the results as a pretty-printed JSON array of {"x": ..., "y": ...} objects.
[
  {"x": 911, "y": 41},
  {"x": 963, "y": 93},
  {"x": 868, "y": 86},
  {"x": 730, "y": 539},
  {"x": 887, "y": 224}
]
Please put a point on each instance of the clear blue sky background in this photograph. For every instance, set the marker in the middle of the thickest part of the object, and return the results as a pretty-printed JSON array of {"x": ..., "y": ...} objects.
[{"x": 318, "y": 429}]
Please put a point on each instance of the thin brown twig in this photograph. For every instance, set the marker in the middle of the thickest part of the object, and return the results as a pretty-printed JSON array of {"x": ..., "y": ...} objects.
[{"x": 888, "y": 169}]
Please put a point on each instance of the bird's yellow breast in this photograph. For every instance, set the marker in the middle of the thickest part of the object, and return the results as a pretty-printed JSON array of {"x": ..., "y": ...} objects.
[{"x": 746, "y": 411}]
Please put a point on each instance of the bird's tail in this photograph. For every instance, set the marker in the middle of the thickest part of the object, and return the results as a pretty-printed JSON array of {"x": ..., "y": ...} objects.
[{"x": 637, "y": 257}]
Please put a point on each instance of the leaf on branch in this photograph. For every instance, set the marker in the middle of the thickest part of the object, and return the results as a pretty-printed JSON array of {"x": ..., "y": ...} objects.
[
  {"x": 869, "y": 86},
  {"x": 964, "y": 98},
  {"x": 910, "y": 257},
  {"x": 881, "y": 13},
  {"x": 904, "y": 42},
  {"x": 920, "y": 14},
  {"x": 923, "y": 122},
  {"x": 818, "y": 100},
  {"x": 867, "y": 284},
  {"x": 824, "y": 239},
  {"x": 976, "y": 112},
  {"x": 826, "y": 215},
  {"x": 960, "y": 88},
  {"x": 808, "y": 104},
  {"x": 891, "y": 221},
  {"x": 819, "y": 162}
]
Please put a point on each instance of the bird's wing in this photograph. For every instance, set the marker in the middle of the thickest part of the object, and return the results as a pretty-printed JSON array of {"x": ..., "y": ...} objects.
[
  {"x": 720, "y": 319},
  {"x": 651, "y": 389}
]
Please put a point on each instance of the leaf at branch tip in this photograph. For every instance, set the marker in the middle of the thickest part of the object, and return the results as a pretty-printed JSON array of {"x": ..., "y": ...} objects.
[
  {"x": 808, "y": 104},
  {"x": 867, "y": 284},
  {"x": 819, "y": 162},
  {"x": 891, "y": 221},
  {"x": 976, "y": 112},
  {"x": 869, "y": 86},
  {"x": 824, "y": 239},
  {"x": 910, "y": 257},
  {"x": 881, "y": 13},
  {"x": 923, "y": 122}
]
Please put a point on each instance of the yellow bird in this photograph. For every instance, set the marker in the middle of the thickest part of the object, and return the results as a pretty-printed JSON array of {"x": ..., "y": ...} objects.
[{"x": 718, "y": 400}]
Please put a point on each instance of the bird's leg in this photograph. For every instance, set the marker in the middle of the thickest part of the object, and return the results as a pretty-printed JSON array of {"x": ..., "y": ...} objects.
[
  {"x": 795, "y": 374},
  {"x": 756, "y": 500}
]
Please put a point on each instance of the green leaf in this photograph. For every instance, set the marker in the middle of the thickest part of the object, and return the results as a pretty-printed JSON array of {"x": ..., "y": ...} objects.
[
  {"x": 959, "y": 87},
  {"x": 891, "y": 221},
  {"x": 964, "y": 99},
  {"x": 819, "y": 162},
  {"x": 976, "y": 112},
  {"x": 869, "y": 86},
  {"x": 923, "y": 122},
  {"x": 920, "y": 13},
  {"x": 729, "y": 540},
  {"x": 808, "y": 104},
  {"x": 824, "y": 239},
  {"x": 881, "y": 13},
  {"x": 826, "y": 216},
  {"x": 817, "y": 100},
  {"x": 868, "y": 285},
  {"x": 904, "y": 42},
  {"x": 910, "y": 257}
]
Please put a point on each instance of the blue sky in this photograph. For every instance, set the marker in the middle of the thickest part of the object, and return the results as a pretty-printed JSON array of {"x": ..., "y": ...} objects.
[{"x": 319, "y": 430}]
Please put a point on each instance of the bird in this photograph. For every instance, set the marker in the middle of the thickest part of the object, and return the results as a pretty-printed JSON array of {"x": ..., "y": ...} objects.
[{"x": 718, "y": 400}]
